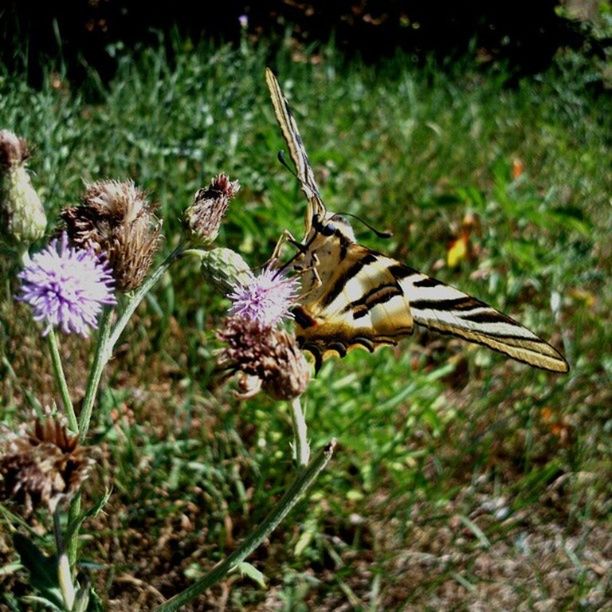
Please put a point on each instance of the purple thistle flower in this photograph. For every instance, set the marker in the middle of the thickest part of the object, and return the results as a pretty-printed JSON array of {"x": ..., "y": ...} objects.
[
  {"x": 266, "y": 299},
  {"x": 66, "y": 287}
]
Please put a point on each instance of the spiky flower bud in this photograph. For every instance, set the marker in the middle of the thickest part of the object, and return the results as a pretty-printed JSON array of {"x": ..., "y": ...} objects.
[
  {"x": 43, "y": 465},
  {"x": 116, "y": 221},
  {"x": 264, "y": 353},
  {"x": 22, "y": 216},
  {"x": 203, "y": 218},
  {"x": 225, "y": 269}
]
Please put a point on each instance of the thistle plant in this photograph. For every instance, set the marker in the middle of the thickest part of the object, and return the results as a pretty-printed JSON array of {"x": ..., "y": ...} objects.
[{"x": 104, "y": 245}]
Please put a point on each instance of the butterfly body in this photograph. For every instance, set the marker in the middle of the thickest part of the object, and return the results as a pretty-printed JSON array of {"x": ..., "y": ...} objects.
[{"x": 354, "y": 296}]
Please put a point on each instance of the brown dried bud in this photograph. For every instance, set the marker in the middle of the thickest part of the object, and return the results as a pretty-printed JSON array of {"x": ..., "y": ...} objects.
[
  {"x": 267, "y": 353},
  {"x": 43, "y": 466},
  {"x": 203, "y": 218},
  {"x": 289, "y": 378},
  {"x": 116, "y": 221},
  {"x": 14, "y": 151}
]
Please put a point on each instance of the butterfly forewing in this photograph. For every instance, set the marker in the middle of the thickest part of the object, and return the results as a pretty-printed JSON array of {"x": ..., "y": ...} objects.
[
  {"x": 447, "y": 310},
  {"x": 296, "y": 149}
]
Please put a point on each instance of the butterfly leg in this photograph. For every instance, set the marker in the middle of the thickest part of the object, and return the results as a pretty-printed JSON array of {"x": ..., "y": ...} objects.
[
  {"x": 285, "y": 237},
  {"x": 312, "y": 269}
]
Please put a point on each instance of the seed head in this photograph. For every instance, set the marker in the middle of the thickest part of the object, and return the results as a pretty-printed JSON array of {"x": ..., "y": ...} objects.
[
  {"x": 42, "y": 465},
  {"x": 66, "y": 287},
  {"x": 22, "y": 216},
  {"x": 203, "y": 218},
  {"x": 264, "y": 353},
  {"x": 116, "y": 221}
]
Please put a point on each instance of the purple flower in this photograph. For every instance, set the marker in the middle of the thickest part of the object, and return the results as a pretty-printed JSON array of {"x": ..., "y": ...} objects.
[
  {"x": 66, "y": 287},
  {"x": 266, "y": 299}
]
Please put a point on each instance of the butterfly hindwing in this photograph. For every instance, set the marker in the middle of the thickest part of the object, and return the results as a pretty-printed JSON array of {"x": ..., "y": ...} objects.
[{"x": 359, "y": 302}]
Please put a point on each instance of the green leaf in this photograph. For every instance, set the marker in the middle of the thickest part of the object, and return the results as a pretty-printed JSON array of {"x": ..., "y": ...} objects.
[
  {"x": 246, "y": 569},
  {"x": 81, "y": 601},
  {"x": 47, "y": 603},
  {"x": 43, "y": 569},
  {"x": 93, "y": 511}
]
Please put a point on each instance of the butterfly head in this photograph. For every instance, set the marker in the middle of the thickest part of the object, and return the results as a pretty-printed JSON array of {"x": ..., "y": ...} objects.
[{"x": 333, "y": 224}]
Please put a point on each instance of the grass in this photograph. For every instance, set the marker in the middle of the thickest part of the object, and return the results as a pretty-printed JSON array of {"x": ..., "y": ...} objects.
[{"x": 462, "y": 480}]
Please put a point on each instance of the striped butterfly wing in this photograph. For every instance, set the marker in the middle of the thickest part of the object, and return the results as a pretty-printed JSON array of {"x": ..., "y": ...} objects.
[
  {"x": 359, "y": 302},
  {"x": 296, "y": 150},
  {"x": 372, "y": 300}
]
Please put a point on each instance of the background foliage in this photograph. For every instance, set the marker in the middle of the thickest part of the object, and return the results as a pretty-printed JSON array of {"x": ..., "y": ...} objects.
[{"x": 462, "y": 479}]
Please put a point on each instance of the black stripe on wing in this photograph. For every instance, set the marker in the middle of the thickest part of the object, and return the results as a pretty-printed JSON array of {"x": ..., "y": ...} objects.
[{"x": 447, "y": 310}]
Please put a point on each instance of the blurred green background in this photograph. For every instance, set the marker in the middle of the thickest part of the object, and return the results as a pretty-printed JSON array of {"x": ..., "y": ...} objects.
[{"x": 462, "y": 480}]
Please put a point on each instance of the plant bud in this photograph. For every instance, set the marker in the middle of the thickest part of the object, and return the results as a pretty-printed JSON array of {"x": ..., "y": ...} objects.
[
  {"x": 203, "y": 218},
  {"x": 225, "y": 268},
  {"x": 22, "y": 216}
]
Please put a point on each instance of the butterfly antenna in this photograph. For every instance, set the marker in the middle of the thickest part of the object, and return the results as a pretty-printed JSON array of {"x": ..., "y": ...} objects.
[
  {"x": 385, "y": 234},
  {"x": 281, "y": 158},
  {"x": 283, "y": 161}
]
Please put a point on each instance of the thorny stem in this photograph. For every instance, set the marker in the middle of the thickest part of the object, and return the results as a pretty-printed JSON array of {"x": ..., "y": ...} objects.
[
  {"x": 300, "y": 433},
  {"x": 93, "y": 381},
  {"x": 107, "y": 338},
  {"x": 301, "y": 484},
  {"x": 139, "y": 295},
  {"x": 63, "y": 566},
  {"x": 60, "y": 379}
]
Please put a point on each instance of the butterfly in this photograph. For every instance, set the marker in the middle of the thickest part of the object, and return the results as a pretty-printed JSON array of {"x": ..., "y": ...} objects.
[{"x": 354, "y": 296}]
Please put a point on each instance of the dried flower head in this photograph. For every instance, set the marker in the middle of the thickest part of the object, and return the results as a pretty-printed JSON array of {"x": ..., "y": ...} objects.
[
  {"x": 266, "y": 353},
  {"x": 203, "y": 218},
  {"x": 22, "y": 216},
  {"x": 42, "y": 466},
  {"x": 267, "y": 298},
  {"x": 66, "y": 287},
  {"x": 116, "y": 221}
]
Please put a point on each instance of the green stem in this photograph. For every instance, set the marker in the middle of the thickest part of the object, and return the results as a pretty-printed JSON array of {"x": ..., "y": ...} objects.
[
  {"x": 63, "y": 566},
  {"x": 73, "y": 516},
  {"x": 60, "y": 379},
  {"x": 300, "y": 485},
  {"x": 300, "y": 433},
  {"x": 101, "y": 356},
  {"x": 107, "y": 338},
  {"x": 139, "y": 295}
]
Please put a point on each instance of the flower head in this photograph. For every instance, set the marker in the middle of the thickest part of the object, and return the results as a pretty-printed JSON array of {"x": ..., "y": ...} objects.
[
  {"x": 203, "y": 218},
  {"x": 267, "y": 298},
  {"x": 42, "y": 465},
  {"x": 22, "y": 216},
  {"x": 264, "y": 356},
  {"x": 66, "y": 287},
  {"x": 117, "y": 222}
]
